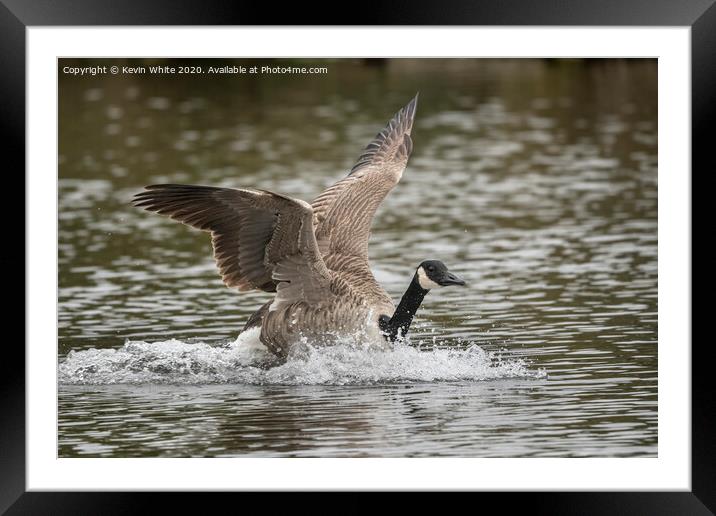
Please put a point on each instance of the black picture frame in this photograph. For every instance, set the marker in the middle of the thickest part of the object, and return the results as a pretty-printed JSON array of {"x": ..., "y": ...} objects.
[{"x": 17, "y": 15}]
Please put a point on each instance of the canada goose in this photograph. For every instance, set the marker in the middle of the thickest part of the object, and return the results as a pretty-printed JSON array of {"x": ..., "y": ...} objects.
[{"x": 313, "y": 256}]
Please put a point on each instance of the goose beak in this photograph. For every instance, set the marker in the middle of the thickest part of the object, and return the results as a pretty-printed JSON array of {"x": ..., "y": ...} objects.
[{"x": 451, "y": 279}]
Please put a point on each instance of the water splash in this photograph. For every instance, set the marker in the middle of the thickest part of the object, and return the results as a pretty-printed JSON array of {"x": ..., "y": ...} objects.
[{"x": 245, "y": 361}]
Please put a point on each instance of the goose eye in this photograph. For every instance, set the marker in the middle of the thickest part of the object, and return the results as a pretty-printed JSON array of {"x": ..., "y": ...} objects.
[{"x": 431, "y": 268}]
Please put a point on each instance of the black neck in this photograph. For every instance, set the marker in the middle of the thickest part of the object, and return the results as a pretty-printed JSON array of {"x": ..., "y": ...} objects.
[{"x": 399, "y": 324}]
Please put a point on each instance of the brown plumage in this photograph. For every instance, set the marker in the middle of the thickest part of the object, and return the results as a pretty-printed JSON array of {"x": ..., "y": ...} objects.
[{"x": 314, "y": 257}]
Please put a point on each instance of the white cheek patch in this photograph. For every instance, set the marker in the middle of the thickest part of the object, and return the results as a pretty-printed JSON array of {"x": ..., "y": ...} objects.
[{"x": 426, "y": 282}]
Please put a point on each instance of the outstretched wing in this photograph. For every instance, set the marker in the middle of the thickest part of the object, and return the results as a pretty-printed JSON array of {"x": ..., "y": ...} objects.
[
  {"x": 260, "y": 238},
  {"x": 344, "y": 212}
]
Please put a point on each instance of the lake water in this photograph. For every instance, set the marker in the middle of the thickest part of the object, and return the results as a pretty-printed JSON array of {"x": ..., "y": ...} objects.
[{"x": 534, "y": 180}]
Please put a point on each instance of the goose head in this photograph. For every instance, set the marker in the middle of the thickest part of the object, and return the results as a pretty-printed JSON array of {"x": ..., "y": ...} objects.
[
  {"x": 435, "y": 274},
  {"x": 430, "y": 274}
]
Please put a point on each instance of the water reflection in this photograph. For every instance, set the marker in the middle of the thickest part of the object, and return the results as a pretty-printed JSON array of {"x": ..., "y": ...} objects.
[
  {"x": 535, "y": 180},
  {"x": 490, "y": 419}
]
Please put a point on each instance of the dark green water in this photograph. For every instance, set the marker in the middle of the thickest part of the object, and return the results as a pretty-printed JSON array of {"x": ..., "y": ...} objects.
[{"x": 535, "y": 180}]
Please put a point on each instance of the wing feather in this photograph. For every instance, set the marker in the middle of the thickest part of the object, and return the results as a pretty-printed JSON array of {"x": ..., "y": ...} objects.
[
  {"x": 261, "y": 239},
  {"x": 344, "y": 212}
]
